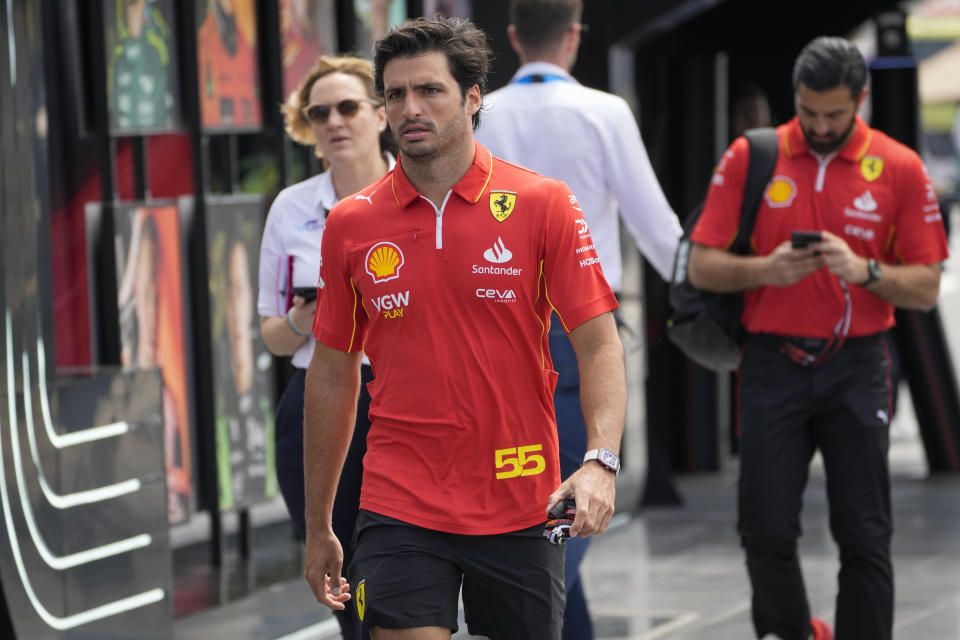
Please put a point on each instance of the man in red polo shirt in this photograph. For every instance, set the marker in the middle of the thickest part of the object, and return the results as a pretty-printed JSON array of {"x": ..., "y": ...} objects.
[
  {"x": 445, "y": 273},
  {"x": 815, "y": 367}
]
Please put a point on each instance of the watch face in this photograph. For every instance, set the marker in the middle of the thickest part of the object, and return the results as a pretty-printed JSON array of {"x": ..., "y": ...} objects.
[{"x": 608, "y": 459}]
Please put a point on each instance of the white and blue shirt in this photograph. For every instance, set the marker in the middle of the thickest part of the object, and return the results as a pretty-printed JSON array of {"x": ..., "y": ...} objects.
[
  {"x": 290, "y": 249},
  {"x": 547, "y": 121}
]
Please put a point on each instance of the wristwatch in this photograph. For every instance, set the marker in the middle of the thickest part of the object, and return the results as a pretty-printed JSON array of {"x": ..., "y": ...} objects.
[
  {"x": 606, "y": 458},
  {"x": 874, "y": 272}
]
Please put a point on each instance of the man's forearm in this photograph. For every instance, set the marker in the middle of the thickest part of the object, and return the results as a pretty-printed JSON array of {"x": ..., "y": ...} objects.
[
  {"x": 330, "y": 407},
  {"x": 603, "y": 396},
  {"x": 603, "y": 386},
  {"x": 718, "y": 270},
  {"x": 911, "y": 286},
  {"x": 279, "y": 339}
]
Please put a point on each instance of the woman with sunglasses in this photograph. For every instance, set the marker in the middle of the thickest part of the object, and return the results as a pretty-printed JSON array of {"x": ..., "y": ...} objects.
[{"x": 335, "y": 110}]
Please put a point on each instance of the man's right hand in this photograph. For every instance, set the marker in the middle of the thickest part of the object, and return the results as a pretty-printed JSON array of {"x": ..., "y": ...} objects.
[
  {"x": 786, "y": 266},
  {"x": 324, "y": 564}
]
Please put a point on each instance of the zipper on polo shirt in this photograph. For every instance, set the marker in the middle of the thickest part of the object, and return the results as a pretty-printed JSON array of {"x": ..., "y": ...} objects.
[
  {"x": 821, "y": 172},
  {"x": 439, "y": 211}
]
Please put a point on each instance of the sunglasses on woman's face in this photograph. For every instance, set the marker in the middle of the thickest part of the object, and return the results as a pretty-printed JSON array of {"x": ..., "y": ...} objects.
[{"x": 320, "y": 113}]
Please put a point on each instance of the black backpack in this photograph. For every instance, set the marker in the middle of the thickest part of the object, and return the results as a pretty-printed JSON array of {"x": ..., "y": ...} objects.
[{"x": 704, "y": 325}]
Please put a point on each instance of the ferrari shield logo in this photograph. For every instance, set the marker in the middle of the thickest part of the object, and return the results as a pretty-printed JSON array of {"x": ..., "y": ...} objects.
[
  {"x": 502, "y": 203},
  {"x": 361, "y": 598},
  {"x": 871, "y": 167}
]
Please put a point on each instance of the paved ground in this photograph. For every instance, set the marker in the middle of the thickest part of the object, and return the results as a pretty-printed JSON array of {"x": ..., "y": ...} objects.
[
  {"x": 677, "y": 573},
  {"x": 671, "y": 574}
]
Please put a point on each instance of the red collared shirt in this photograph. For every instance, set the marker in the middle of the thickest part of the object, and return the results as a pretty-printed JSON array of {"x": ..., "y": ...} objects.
[
  {"x": 874, "y": 193},
  {"x": 452, "y": 304}
]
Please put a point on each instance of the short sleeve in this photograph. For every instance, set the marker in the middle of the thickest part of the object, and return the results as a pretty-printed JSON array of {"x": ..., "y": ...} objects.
[
  {"x": 339, "y": 322},
  {"x": 573, "y": 277},
  {"x": 720, "y": 220},
  {"x": 919, "y": 236},
  {"x": 272, "y": 275}
]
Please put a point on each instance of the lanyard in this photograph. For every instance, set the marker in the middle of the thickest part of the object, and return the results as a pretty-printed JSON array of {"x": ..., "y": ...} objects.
[
  {"x": 830, "y": 348},
  {"x": 540, "y": 77}
]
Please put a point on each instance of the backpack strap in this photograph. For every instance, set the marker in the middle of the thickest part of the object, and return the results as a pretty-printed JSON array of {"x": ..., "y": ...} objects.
[{"x": 764, "y": 149}]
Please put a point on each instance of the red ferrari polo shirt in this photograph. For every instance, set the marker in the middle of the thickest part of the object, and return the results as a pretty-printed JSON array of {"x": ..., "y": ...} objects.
[
  {"x": 451, "y": 302},
  {"x": 874, "y": 193}
]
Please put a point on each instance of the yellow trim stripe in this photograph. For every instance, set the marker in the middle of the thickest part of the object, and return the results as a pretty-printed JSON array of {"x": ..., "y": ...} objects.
[
  {"x": 393, "y": 186},
  {"x": 866, "y": 145},
  {"x": 547, "y": 294},
  {"x": 353, "y": 315},
  {"x": 489, "y": 174},
  {"x": 730, "y": 241},
  {"x": 785, "y": 139},
  {"x": 889, "y": 243},
  {"x": 544, "y": 328}
]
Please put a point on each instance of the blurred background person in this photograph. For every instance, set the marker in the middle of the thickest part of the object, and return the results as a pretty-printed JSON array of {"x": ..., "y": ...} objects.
[
  {"x": 808, "y": 381},
  {"x": 336, "y": 110},
  {"x": 545, "y": 120}
]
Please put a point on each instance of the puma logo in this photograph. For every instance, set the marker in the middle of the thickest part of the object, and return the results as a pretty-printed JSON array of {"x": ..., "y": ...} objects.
[{"x": 367, "y": 198}]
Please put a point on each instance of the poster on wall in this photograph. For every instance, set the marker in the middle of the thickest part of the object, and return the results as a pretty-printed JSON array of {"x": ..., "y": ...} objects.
[
  {"x": 308, "y": 29},
  {"x": 242, "y": 367},
  {"x": 373, "y": 18},
  {"x": 227, "y": 65},
  {"x": 143, "y": 90},
  {"x": 151, "y": 301},
  {"x": 451, "y": 8}
]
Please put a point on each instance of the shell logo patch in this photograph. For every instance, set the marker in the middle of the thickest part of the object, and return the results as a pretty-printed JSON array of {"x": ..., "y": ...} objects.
[
  {"x": 384, "y": 261},
  {"x": 871, "y": 167},
  {"x": 361, "y": 597},
  {"x": 502, "y": 204},
  {"x": 780, "y": 192}
]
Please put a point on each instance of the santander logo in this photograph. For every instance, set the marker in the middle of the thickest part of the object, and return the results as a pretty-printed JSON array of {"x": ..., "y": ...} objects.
[
  {"x": 498, "y": 253},
  {"x": 865, "y": 202}
]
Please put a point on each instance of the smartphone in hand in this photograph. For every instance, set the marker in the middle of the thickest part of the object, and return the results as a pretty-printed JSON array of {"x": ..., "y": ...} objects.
[
  {"x": 307, "y": 293},
  {"x": 803, "y": 239}
]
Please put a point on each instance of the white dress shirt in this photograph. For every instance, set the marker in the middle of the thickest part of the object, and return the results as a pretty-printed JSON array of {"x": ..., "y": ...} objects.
[
  {"x": 291, "y": 243},
  {"x": 590, "y": 140}
]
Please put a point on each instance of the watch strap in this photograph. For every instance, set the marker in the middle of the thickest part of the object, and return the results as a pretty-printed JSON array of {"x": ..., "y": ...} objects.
[
  {"x": 602, "y": 456},
  {"x": 873, "y": 273}
]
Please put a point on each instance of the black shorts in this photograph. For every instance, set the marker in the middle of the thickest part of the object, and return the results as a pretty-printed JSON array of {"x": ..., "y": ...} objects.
[{"x": 404, "y": 576}]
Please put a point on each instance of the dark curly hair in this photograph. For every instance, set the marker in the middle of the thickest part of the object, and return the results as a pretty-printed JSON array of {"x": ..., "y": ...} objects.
[
  {"x": 464, "y": 45},
  {"x": 830, "y": 62}
]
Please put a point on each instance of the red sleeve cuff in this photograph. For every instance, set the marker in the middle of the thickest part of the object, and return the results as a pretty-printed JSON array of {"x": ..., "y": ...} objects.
[{"x": 573, "y": 318}]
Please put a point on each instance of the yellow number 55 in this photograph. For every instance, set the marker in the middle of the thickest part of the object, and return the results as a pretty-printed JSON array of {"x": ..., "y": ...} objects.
[{"x": 519, "y": 461}]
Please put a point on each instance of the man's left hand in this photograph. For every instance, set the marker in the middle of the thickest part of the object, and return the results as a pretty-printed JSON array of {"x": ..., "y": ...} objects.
[
  {"x": 594, "y": 489},
  {"x": 840, "y": 258}
]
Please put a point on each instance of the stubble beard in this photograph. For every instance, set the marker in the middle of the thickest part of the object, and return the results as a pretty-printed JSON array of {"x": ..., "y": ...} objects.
[
  {"x": 835, "y": 142},
  {"x": 419, "y": 150},
  {"x": 445, "y": 138}
]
